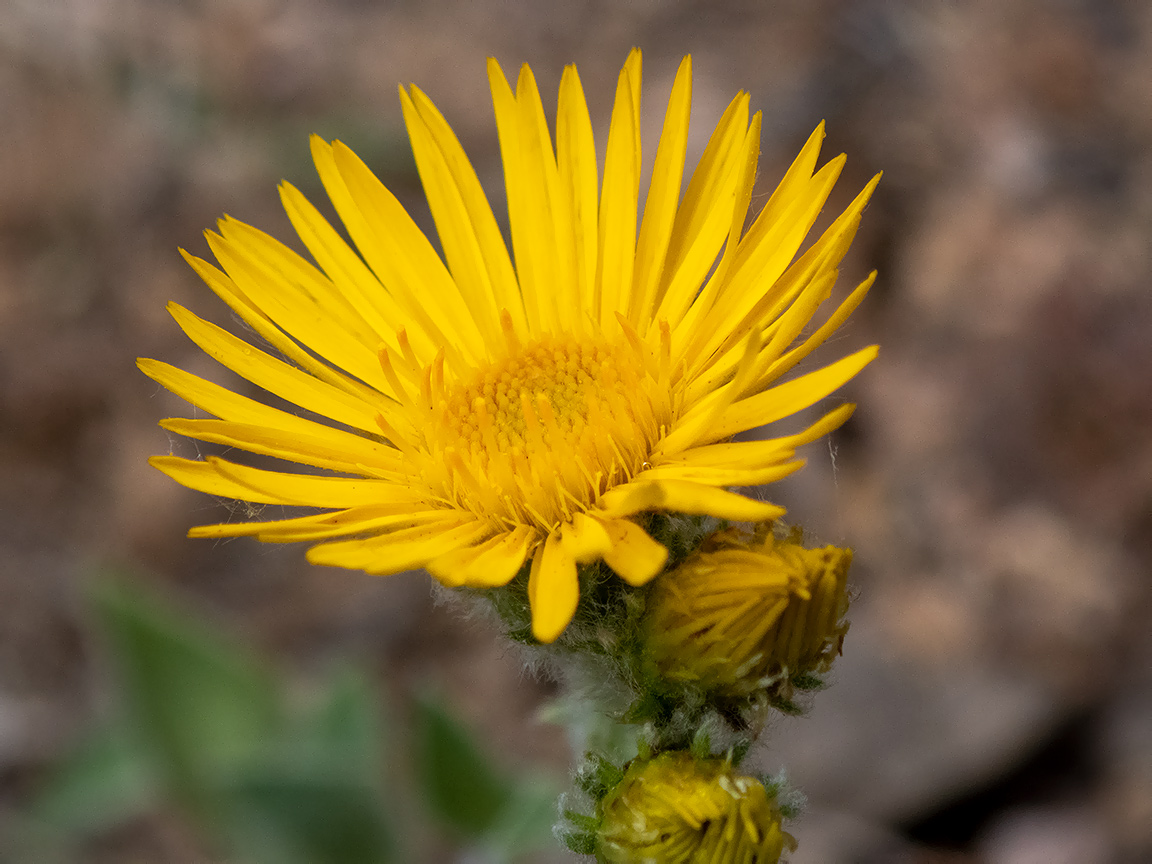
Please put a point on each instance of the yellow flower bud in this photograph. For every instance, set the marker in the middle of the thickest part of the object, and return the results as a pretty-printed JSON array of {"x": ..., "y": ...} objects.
[
  {"x": 749, "y": 612},
  {"x": 676, "y": 809}
]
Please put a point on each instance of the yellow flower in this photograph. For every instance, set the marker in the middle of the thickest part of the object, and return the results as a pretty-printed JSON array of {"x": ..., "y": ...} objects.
[
  {"x": 746, "y": 613},
  {"x": 676, "y": 809},
  {"x": 475, "y": 414}
]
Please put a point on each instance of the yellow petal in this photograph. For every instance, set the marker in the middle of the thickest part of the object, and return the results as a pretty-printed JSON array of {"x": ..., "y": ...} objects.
[
  {"x": 399, "y": 253},
  {"x": 794, "y": 182},
  {"x": 392, "y": 519},
  {"x": 258, "y": 320},
  {"x": 389, "y": 520},
  {"x": 683, "y": 496},
  {"x": 585, "y": 539},
  {"x": 469, "y": 235},
  {"x": 723, "y": 476},
  {"x": 489, "y": 564},
  {"x": 523, "y": 200},
  {"x": 576, "y": 164},
  {"x": 553, "y": 589},
  {"x": 297, "y": 279},
  {"x": 345, "y": 268},
  {"x": 743, "y": 177},
  {"x": 297, "y": 315},
  {"x": 701, "y": 224},
  {"x": 753, "y": 281},
  {"x": 403, "y": 550},
  {"x": 754, "y": 454},
  {"x": 549, "y": 222},
  {"x": 334, "y": 450},
  {"x": 274, "y": 375},
  {"x": 700, "y": 417},
  {"x": 818, "y": 263},
  {"x": 216, "y": 476},
  {"x": 788, "y": 398},
  {"x": 618, "y": 200},
  {"x": 663, "y": 199},
  {"x": 277, "y": 426},
  {"x": 634, "y": 557},
  {"x": 789, "y": 360}
]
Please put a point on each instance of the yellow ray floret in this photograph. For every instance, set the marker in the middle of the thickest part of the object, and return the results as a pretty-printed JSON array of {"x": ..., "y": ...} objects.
[{"x": 487, "y": 407}]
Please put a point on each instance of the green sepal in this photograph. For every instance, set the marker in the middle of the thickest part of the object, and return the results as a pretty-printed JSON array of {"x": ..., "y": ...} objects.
[
  {"x": 577, "y": 842},
  {"x": 702, "y": 743},
  {"x": 807, "y": 681},
  {"x": 785, "y": 705},
  {"x": 597, "y": 777},
  {"x": 582, "y": 821},
  {"x": 789, "y": 800},
  {"x": 738, "y": 751}
]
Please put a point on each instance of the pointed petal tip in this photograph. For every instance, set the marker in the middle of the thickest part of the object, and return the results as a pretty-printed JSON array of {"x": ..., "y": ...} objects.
[
  {"x": 148, "y": 365},
  {"x": 840, "y": 416},
  {"x": 318, "y": 147},
  {"x": 157, "y": 462}
]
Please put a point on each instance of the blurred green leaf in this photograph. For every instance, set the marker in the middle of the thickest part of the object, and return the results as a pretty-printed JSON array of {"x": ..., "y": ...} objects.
[
  {"x": 525, "y": 822},
  {"x": 315, "y": 795},
  {"x": 346, "y": 727},
  {"x": 461, "y": 786},
  {"x": 103, "y": 782},
  {"x": 197, "y": 704},
  {"x": 303, "y": 814}
]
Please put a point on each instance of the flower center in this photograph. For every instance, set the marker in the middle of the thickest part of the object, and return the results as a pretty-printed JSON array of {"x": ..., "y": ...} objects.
[{"x": 542, "y": 433}]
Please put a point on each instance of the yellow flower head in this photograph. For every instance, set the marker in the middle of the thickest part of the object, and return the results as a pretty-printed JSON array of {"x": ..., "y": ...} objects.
[
  {"x": 676, "y": 809},
  {"x": 746, "y": 613},
  {"x": 483, "y": 408}
]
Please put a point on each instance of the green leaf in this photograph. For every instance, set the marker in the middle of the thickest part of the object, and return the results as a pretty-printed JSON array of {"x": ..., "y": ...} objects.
[
  {"x": 315, "y": 794},
  {"x": 100, "y": 784},
  {"x": 301, "y": 814},
  {"x": 524, "y": 824},
  {"x": 461, "y": 786},
  {"x": 197, "y": 704},
  {"x": 345, "y": 729}
]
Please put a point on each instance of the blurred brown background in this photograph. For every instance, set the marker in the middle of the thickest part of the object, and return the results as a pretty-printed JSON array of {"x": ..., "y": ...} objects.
[{"x": 995, "y": 700}]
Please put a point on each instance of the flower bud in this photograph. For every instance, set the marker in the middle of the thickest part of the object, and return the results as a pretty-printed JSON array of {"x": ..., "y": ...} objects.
[
  {"x": 749, "y": 612},
  {"x": 677, "y": 809}
]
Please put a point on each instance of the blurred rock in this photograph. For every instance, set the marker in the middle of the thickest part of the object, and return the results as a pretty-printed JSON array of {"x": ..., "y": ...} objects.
[{"x": 1064, "y": 835}]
